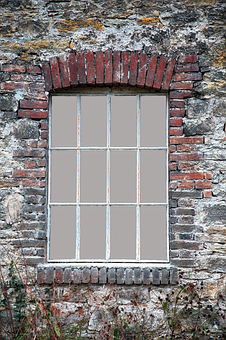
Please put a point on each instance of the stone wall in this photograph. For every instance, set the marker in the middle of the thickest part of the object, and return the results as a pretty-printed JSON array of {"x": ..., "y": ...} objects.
[{"x": 39, "y": 40}]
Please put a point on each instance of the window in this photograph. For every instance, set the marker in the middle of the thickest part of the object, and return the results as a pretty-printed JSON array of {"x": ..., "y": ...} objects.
[{"x": 108, "y": 183}]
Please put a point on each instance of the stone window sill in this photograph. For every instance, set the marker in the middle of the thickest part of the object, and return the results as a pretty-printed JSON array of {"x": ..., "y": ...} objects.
[{"x": 70, "y": 274}]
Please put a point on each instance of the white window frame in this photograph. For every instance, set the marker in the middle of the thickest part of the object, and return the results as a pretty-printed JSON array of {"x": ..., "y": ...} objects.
[{"x": 138, "y": 204}]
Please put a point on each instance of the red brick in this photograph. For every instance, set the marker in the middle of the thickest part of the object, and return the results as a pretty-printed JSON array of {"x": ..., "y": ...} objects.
[
  {"x": 25, "y": 77},
  {"x": 203, "y": 184},
  {"x": 30, "y": 164},
  {"x": 188, "y": 166},
  {"x": 39, "y": 87},
  {"x": 188, "y": 68},
  {"x": 181, "y": 86},
  {"x": 35, "y": 114},
  {"x": 40, "y": 275},
  {"x": 29, "y": 153},
  {"x": 187, "y": 76},
  {"x": 173, "y": 148},
  {"x": 28, "y": 173},
  {"x": 181, "y": 95},
  {"x": 208, "y": 176},
  {"x": 34, "y": 69},
  {"x": 187, "y": 140},
  {"x": 172, "y": 167},
  {"x": 47, "y": 76},
  {"x": 42, "y": 144},
  {"x": 90, "y": 69},
  {"x": 133, "y": 69},
  {"x": 207, "y": 193},
  {"x": 73, "y": 69},
  {"x": 173, "y": 185},
  {"x": 44, "y": 125},
  {"x": 64, "y": 71},
  {"x": 41, "y": 163},
  {"x": 10, "y": 85},
  {"x": 168, "y": 75},
  {"x": 116, "y": 67},
  {"x": 81, "y": 68},
  {"x": 13, "y": 68},
  {"x": 188, "y": 59},
  {"x": 186, "y": 148},
  {"x": 27, "y": 104},
  {"x": 184, "y": 245},
  {"x": 55, "y": 73},
  {"x": 59, "y": 275},
  {"x": 108, "y": 68},
  {"x": 142, "y": 70},
  {"x": 151, "y": 72},
  {"x": 177, "y": 103},
  {"x": 176, "y": 157},
  {"x": 186, "y": 185},
  {"x": 99, "y": 68},
  {"x": 94, "y": 275},
  {"x": 32, "y": 143},
  {"x": 30, "y": 183},
  {"x": 174, "y": 131},
  {"x": 186, "y": 176},
  {"x": 42, "y": 184},
  {"x": 125, "y": 68},
  {"x": 176, "y": 122},
  {"x": 177, "y": 113},
  {"x": 44, "y": 134},
  {"x": 159, "y": 73},
  {"x": 49, "y": 275}
]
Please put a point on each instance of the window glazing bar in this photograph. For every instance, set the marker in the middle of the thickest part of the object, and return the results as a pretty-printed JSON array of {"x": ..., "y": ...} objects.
[
  {"x": 77, "y": 255},
  {"x": 138, "y": 183},
  {"x": 113, "y": 204},
  {"x": 110, "y": 148},
  {"x": 108, "y": 232}
]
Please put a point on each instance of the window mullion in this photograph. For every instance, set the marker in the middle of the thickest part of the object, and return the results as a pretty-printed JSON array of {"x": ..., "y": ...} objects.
[
  {"x": 78, "y": 179},
  {"x": 138, "y": 183},
  {"x": 108, "y": 178}
]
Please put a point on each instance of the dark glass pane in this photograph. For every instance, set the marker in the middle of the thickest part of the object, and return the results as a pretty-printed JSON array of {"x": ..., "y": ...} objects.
[
  {"x": 123, "y": 176},
  {"x": 93, "y": 232},
  {"x": 153, "y": 176},
  {"x": 93, "y": 121},
  {"x": 93, "y": 176},
  {"x": 123, "y": 233},
  {"x": 153, "y": 233},
  {"x": 123, "y": 121},
  {"x": 63, "y": 232},
  {"x": 63, "y": 176},
  {"x": 64, "y": 121},
  {"x": 153, "y": 121}
]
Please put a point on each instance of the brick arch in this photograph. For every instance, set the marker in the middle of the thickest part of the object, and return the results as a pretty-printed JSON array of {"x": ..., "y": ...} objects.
[{"x": 110, "y": 68}]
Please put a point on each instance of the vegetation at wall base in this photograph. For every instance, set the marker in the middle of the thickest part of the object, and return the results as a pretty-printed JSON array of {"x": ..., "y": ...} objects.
[{"x": 24, "y": 315}]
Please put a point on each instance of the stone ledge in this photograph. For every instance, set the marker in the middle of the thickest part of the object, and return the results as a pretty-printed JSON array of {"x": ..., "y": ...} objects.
[{"x": 128, "y": 276}]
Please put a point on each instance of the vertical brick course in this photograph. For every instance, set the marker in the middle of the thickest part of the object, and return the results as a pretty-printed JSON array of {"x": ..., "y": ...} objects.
[
  {"x": 90, "y": 69},
  {"x": 73, "y": 69},
  {"x": 116, "y": 68},
  {"x": 81, "y": 68},
  {"x": 108, "y": 68},
  {"x": 133, "y": 68},
  {"x": 99, "y": 68},
  {"x": 55, "y": 73},
  {"x": 151, "y": 72}
]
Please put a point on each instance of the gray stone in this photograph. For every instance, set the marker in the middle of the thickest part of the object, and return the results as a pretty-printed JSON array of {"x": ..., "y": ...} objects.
[
  {"x": 111, "y": 275},
  {"x": 120, "y": 276},
  {"x": 215, "y": 213},
  {"x": 197, "y": 129},
  {"x": 8, "y": 103},
  {"x": 197, "y": 108},
  {"x": 129, "y": 276},
  {"x": 155, "y": 276},
  {"x": 26, "y": 130}
]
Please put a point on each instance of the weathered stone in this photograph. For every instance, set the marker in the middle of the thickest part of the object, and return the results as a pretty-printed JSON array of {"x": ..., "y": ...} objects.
[
  {"x": 8, "y": 103},
  {"x": 215, "y": 213},
  {"x": 26, "y": 130},
  {"x": 197, "y": 129}
]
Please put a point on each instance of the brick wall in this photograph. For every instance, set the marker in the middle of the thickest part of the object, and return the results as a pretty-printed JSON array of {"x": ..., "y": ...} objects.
[{"x": 179, "y": 48}]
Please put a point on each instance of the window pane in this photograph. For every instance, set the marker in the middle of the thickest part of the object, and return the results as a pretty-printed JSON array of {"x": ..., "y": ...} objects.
[
  {"x": 62, "y": 233},
  {"x": 153, "y": 121},
  {"x": 123, "y": 121},
  {"x": 63, "y": 179},
  {"x": 123, "y": 232},
  {"x": 93, "y": 121},
  {"x": 64, "y": 121},
  {"x": 93, "y": 232},
  {"x": 153, "y": 233},
  {"x": 153, "y": 176},
  {"x": 123, "y": 176},
  {"x": 93, "y": 176}
]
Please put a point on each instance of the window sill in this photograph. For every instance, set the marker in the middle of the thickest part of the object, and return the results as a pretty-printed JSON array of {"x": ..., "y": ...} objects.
[{"x": 72, "y": 273}]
